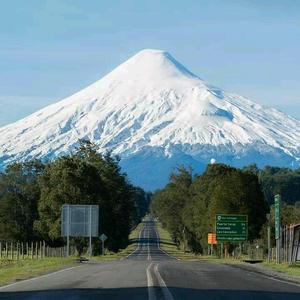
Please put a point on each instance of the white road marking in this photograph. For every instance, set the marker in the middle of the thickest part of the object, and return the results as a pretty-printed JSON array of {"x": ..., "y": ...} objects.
[
  {"x": 158, "y": 245},
  {"x": 150, "y": 283},
  {"x": 35, "y": 278},
  {"x": 139, "y": 244},
  {"x": 166, "y": 292},
  {"x": 253, "y": 273},
  {"x": 149, "y": 255}
]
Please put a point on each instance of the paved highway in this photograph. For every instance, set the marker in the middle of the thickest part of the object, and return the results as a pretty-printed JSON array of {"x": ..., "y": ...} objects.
[{"x": 149, "y": 273}]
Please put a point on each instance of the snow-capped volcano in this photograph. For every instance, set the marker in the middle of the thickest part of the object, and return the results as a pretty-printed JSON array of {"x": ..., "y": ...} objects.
[{"x": 155, "y": 114}]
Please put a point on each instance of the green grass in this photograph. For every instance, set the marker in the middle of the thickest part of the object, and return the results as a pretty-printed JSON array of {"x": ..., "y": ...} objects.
[
  {"x": 167, "y": 244},
  {"x": 293, "y": 270},
  {"x": 12, "y": 271},
  {"x": 133, "y": 239}
]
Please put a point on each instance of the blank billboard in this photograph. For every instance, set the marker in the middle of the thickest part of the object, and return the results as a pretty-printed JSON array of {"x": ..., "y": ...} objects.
[{"x": 79, "y": 220}]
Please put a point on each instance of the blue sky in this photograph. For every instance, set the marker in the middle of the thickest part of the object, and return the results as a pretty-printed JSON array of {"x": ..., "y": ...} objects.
[{"x": 51, "y": 49}]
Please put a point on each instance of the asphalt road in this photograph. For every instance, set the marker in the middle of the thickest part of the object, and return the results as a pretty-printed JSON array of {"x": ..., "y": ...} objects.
[{"x": 149, "y": 273}]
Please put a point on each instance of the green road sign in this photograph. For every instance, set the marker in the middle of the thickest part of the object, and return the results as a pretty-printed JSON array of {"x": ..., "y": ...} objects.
[
  {"x": 277, "y": 216},
  {"x": 231, "y": 228}
]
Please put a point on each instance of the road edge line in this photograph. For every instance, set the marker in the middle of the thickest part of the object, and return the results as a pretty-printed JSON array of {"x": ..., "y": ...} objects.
[
  {"x": 38, "y": 277},
  {"x": 138, "y": 245},
  {"x": 158, "y": 244},
  {"x": 275, "y": 277}
]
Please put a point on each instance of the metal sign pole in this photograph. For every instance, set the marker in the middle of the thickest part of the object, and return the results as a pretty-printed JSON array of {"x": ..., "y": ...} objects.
[
  {"x": 269, "y": 243},
  {"x": 90, "y": 243},
  {"x": 68, "y": 231},
  {"x": 278, "y": 228},
  {"x": 221, "y": 250}
]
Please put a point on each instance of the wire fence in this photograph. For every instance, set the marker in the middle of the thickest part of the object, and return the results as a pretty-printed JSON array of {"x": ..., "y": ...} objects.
[{"x": 32, "y": 250}]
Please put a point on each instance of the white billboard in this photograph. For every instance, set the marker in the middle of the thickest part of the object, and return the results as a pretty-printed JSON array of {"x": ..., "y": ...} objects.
[{"x": 79, "y": 220}]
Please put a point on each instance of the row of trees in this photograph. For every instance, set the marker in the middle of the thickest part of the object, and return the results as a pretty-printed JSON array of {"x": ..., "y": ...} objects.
[
  {"x": 32, "y": 194},
  {"x": 283, "y": 181},
  {"x": 188, "y": 204}
]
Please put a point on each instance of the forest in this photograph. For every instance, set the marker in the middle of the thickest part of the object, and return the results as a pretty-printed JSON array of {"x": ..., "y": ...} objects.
[
  {"x": 33, "y": 192},
  {"x": 187, "y": 206}
]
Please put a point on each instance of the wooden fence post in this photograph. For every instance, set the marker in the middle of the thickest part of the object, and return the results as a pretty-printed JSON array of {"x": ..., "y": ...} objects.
[
  {"x": 12, "y": 250},
  {"x": 17, "y": 254}
]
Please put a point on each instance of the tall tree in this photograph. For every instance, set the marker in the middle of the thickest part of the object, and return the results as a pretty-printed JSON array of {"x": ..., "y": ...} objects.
[{"x": 19, "y": 196}]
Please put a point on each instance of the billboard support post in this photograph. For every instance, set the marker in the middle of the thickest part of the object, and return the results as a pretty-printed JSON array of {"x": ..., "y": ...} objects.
[
  {"x": 68, "y": 231},
  {"x": 90, "y": 229},
  {"x": 269, "y": 243}
]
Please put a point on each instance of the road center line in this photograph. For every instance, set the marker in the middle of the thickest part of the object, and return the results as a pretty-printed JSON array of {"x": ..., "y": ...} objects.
[
  {"x": 150, "y": 283},
  {"x": 166, "y": 292},
  {"x": 149, "y": 255}
]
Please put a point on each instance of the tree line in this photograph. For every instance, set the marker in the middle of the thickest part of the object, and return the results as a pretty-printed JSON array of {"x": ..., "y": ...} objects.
[
  {"x": 32, "y": 194},
  {"x": 187, "y": 206}
]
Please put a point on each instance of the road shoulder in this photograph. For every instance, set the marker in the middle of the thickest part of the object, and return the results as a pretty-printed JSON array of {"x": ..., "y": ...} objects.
[
  {"x": 22, "y": 270},
  {"x": 263, "y": 270}
]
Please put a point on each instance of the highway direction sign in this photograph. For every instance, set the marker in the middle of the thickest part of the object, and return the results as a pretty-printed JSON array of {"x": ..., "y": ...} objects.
[{"x": 231, "y": 228}]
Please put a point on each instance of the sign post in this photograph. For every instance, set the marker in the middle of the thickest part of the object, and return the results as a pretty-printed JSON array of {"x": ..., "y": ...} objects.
[
  {"x": 68, "y": 231},
  {"x": 278, "y": 227},
  {"x": 103, "y": 238},
  {"x": 231, "y": 228}
]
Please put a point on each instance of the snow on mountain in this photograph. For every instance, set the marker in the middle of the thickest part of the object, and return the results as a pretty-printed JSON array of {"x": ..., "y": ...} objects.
[{"x": 155, "y": 114}]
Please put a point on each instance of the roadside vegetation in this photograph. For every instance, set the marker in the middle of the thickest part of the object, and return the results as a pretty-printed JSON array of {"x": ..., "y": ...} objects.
[
  {"x": 12, "y": 271},
  {"x": 293, "y": 270},
  {"x": 167, "y": 244},
  {"x": 122, "y": 253},
  {"x": 187, "y": 206},
  {"x": 16, "y": 270},
  {"x": 33, "y": 192}
]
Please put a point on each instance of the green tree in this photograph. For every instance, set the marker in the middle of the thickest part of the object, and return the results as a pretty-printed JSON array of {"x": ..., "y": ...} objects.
[
  {"x": 168, "y": 204},
  {"x": 86, "y": 177},
  {"x": 19, "y": 196}
]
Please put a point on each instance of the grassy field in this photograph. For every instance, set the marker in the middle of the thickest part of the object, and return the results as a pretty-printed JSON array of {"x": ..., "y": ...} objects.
[
  {"x": 133, "y": 238},
  {"x": 171, "y": 248},
  {"x": 293, "y": 270},
  {"x": 11, "y": 271}
]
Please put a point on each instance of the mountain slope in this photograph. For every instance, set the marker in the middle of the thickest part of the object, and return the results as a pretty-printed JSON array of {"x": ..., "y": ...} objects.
[{"x": 156, "y": 114}]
